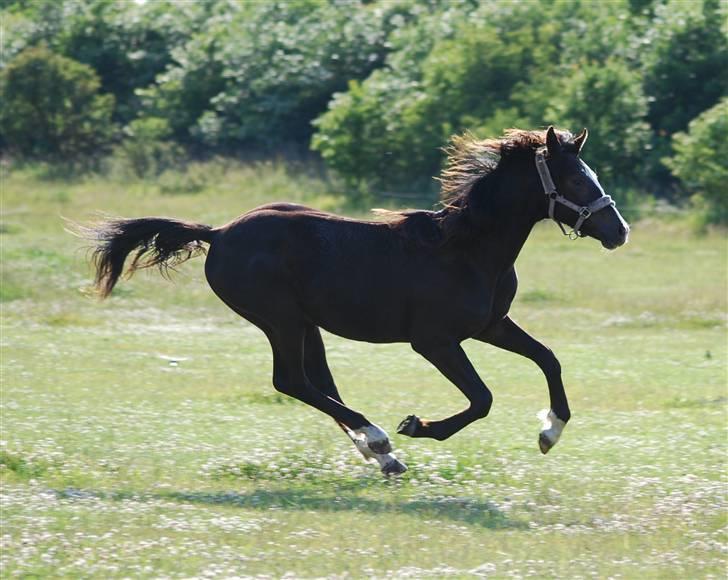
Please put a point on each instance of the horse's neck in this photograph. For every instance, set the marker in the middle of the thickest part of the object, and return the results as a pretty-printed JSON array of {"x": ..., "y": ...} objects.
[
  {"x": 511, "y": 217},
  {"x": 499, "y": 251}
]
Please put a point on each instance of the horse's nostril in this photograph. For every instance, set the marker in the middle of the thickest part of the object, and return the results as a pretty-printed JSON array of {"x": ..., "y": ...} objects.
[{"x": 623, "y": 230}]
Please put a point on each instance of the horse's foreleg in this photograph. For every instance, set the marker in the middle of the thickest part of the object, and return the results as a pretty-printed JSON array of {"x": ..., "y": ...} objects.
[
  {"x": 450, "y": 359},
  {"x": 507, "y": 335}
]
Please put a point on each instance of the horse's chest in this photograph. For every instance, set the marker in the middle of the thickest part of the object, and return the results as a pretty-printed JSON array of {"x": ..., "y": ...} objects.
[
  {"x": 479, "y": 301},
  {"x": 460, "y": 310}
]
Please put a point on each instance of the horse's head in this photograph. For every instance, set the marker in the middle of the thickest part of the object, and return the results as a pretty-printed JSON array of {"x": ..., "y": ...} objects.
[{"x": 575, "y": 196}]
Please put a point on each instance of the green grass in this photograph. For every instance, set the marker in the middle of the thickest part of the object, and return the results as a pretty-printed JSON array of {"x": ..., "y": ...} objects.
[{"x": 141, "y": 435}]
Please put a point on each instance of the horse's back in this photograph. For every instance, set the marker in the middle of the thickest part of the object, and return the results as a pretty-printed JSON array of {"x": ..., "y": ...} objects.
[
  {"x": 300, "y": 234},
  {"x": 339, "y": 273}
]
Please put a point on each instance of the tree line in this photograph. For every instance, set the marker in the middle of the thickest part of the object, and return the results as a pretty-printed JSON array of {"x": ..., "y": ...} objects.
[{"x": 375, "y": 88}]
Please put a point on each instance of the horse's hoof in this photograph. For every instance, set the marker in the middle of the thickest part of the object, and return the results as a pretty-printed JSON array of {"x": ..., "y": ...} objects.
[
  {"x": 394, "y": 467},
  {"x": 409, "y": 426},
  {"x": 544, "y": 443},
  {"x": 550, "y": 431}
]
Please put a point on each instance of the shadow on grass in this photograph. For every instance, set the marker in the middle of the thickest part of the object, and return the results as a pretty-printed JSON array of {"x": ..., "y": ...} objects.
[
  {"x": 467, "y": 511},
  {"x": 485, "y": 514}
]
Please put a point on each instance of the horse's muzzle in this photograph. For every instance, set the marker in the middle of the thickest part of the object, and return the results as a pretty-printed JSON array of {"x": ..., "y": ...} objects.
[{"x": 619, "y": 240}]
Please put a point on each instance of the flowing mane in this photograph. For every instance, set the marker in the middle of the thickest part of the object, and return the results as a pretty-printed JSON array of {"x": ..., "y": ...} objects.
[
  {"x": 469, "y": 162},
  {"x": 470, "y": 159}
]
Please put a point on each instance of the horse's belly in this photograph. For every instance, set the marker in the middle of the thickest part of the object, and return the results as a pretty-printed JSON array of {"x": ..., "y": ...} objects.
[{"x": 361, "y": 320}]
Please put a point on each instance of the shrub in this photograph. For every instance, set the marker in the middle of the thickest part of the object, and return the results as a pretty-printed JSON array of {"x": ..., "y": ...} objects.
[
  {"x": 146, "y": 150},
  {"x": 257, "y": 73},
  {"x": 700, "y": 162},
  {"x": 685, "y": 61},
  {"x": 127, "y": 43},
  {"x": 51, "y": 108},
  {"x": 606, "y": 98},
  {"x": 380, "y": 135},
  {"x": 385, "y": 132}
]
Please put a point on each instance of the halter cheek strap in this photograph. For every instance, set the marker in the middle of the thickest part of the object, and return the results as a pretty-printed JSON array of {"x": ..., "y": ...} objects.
[{"x": 584, "y": 211}]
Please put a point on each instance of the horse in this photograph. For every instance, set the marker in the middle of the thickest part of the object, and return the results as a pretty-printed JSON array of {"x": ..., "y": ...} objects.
[{"x": 428, "y": 278}]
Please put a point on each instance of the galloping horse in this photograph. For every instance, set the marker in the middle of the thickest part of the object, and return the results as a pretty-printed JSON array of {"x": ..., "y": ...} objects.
[{"x": 430, "y": 278}]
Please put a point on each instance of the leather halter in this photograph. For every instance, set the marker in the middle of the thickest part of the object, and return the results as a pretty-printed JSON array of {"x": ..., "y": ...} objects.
[{"x": 584, "y": 211}]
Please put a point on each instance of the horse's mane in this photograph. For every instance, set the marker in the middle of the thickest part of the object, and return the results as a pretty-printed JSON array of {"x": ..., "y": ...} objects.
[
  {"x": 470, "y": 159},
  {"x": 469, "y": 162}
]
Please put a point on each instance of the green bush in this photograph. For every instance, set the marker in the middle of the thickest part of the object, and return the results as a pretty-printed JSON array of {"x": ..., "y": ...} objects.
[
  {"x": 52, "y": 109},
  {"x": 380, "y": 135},
  {"x": 606, "y": 98},
  {"x": 257, "y": 73},
  {"x": 127, "y": 43},
  {"x": 146, "y": 150},
  {"x": 683, "y": 56},
  {"x": 386, "y": 132},
  {"x": 700, "y": 162},
  {"x": 685, "y": 61}
]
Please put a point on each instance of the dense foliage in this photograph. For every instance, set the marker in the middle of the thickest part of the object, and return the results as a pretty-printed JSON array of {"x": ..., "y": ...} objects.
[
  {"x": 377, "y": 87},
  {"x": 702, "y": 166},
  {"x": 52, "y": 108}
]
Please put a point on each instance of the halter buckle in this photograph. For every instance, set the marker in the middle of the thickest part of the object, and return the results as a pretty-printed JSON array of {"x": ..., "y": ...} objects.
[{"x": 585, "y": 212}]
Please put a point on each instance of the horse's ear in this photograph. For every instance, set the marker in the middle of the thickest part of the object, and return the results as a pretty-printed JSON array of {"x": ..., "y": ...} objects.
[
  {"x": 580, "y": 139},
  {"x": 552, "y": 142}
]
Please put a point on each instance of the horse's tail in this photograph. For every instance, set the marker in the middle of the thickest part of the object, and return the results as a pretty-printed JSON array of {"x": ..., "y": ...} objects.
[{"x": 160, "y": 242}]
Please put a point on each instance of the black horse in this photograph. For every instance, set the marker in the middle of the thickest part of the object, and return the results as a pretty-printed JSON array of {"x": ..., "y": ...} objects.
[{"x": 430, "y": 278}]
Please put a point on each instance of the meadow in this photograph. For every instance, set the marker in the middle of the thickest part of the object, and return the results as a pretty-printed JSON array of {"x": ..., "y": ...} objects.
[{"x": 141, "y": 436}]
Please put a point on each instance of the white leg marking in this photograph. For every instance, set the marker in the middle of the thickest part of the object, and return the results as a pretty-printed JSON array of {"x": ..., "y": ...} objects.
[
  {"x": 372, "y": 433},
  {"x": 361, "y": 444},
  {"x": 550, "y": 430},
  {"x": 375, "y": 437},
  {"x": 388, "y": 463}
]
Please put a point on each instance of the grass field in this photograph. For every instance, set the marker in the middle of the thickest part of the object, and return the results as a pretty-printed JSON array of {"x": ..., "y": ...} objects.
[{"x": 141, "y": 436}]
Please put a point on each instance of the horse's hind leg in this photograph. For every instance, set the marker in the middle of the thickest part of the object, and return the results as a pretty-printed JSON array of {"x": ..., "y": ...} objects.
[
  {"x": 315, "y": 365},
  {"x": 289, "y": 377},
  {"x": 371, "y": 441}
]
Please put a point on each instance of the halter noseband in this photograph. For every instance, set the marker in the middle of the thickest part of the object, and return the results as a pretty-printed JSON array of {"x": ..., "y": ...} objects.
[{"x": 584, "y": 211}]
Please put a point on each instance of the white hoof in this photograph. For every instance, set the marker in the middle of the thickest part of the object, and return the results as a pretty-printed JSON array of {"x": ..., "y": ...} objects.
[
  {"x": 550, "y": 430},
  {"x": 375, "y": 438}
]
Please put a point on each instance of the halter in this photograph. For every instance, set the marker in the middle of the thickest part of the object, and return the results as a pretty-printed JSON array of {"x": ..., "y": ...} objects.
[{"x": 584, "y": 211}]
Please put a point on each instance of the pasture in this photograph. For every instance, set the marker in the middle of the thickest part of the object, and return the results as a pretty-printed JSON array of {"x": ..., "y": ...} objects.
[{"x": 141, "y": 436}]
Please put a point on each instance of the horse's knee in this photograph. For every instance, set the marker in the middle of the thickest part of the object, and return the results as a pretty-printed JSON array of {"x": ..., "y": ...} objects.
[{"x": 480, "y": 405}]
